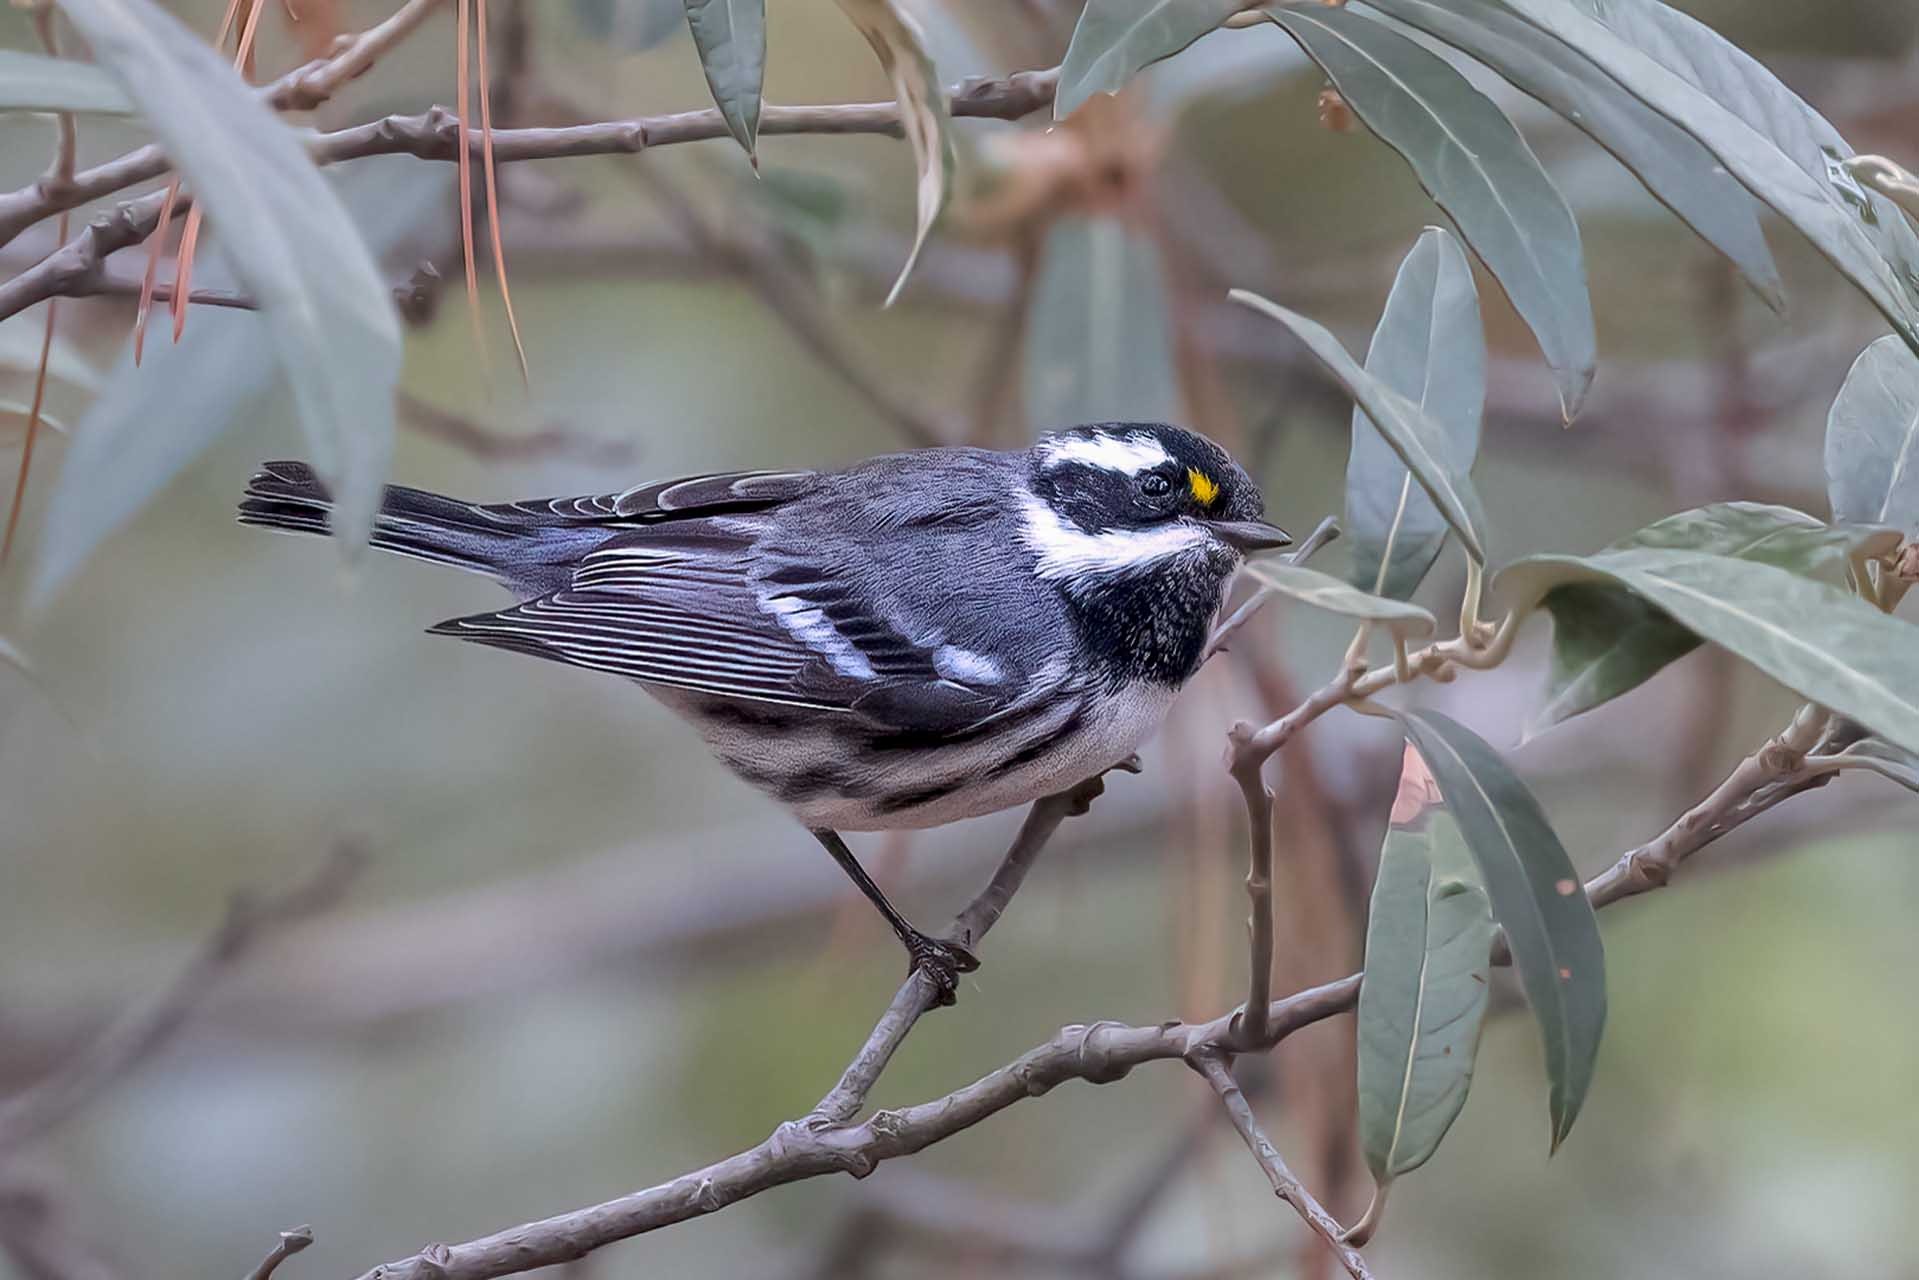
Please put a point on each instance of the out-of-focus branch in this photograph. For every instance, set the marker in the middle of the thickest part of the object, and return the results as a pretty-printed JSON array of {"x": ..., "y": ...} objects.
[
  {"x": 36, "y": 1234},
  {"x": 1099, "y": 1053},
  {"x": 485, "y": 442},
  {"x": 119, "y": 1049},
  {"x": 1212, "y": 1064},
  {"x": 301, "y": 89}
]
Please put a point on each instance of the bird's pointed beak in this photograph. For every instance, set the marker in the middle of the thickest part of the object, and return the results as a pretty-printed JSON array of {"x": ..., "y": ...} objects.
[{"x": 1246, "y": 536}]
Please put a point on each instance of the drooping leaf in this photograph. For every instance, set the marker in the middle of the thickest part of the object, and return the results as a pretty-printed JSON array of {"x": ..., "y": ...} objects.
[
  {"x": 1815, "y": 638},
  {"x": 1413, "y": 435},
  {"x": 1114, "y": 39},
  {"x": 287, "y": 238},
  {"x": 1323, "y": 591},
  {"x": 1608, "y": 641},
  {"x": 150, "y": 422},
  {"x": 1536, "y": 898},
  {"x": 1742, "y": 84},
  {"x": 1872, "y": 439},
  {"x": 1431, "y": 348},
  {"x": 1811, "y": 191},
  {"x": 1429, "y": 937},
  {"x": 1473, "y": 162},
  {"x": 1675, "y": 169},
  {"x": 1099, "y": 331},
  {"x": 35, "y": 82},
  {"x": 924, "y": 113},
  {"x": 731, "y": 38}
]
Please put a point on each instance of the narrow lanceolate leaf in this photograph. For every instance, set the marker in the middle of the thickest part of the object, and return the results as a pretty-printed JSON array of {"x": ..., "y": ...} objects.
[
  {"x": 1475, "y": 165},
  {"x": 1675, "y": 169},
  {"x": 731, "y": 38},
  {"x": 1815, "y": 638},
  {"x": 1536, "y": 898},
  {"x": 1323, "y": 591},
  {"x": 924, "y": 115},
  {"x": 1430, "y": 348},
  {"x": 1788, "y": 156},
  {"x": 1428, "y": 944},
  {"x": 1742, "y": 84},
  {"x": 1608, "y": 641},
  {"x": 1872, "y": 439},
  {"x": 1413, "y": 435},
  {"x": 287, "y": 238},
  {"x": 1099, "y": 329},
  {"x": 1114, "y": 39},
  {"x": 35, "y": 82}
]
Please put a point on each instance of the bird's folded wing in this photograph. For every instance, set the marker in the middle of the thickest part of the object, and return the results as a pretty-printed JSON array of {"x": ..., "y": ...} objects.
[
  {"x": 697, "y": 624},
  {"x": 727, "y": 492}
]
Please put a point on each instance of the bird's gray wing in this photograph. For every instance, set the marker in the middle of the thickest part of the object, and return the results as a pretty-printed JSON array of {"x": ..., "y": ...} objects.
[{"x": 687, "y": 611}]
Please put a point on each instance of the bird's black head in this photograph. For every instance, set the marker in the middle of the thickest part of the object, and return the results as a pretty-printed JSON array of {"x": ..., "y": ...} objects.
[{"x": 1142, "y": 525}]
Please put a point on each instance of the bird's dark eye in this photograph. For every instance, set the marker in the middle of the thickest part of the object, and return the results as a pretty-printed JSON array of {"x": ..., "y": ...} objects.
[{"x": 1155, "y": 485}]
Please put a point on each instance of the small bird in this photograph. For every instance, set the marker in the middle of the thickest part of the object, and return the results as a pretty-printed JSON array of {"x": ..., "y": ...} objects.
[{"x": 915, "y": 639}]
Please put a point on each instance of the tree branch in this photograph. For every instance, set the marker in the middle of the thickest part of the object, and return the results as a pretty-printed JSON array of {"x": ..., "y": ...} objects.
[
  {"x": 290, "y": 1243},
  {"x": 1211, "y": 1063},
  {"x": 119, "y": 1049},
  {"x": 1099, "y": 1053}
]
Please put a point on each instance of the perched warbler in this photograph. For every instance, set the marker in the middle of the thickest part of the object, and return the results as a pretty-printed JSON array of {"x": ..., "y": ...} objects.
[{"x": 918, "y": 638}]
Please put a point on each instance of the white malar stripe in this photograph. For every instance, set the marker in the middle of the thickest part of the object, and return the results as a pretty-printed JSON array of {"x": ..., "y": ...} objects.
[
  {"x": 1067, "y": 551},
  {"x": 810, "y": 627},
  {"x": 1129, "y": 454}
]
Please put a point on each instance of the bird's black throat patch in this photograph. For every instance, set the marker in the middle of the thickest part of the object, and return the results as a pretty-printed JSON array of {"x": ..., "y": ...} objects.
[{"x": 1152, "y": 625}]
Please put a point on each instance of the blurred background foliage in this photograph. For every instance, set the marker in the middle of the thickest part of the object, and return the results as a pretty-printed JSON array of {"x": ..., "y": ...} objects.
[{"x": 582, "y": 956}]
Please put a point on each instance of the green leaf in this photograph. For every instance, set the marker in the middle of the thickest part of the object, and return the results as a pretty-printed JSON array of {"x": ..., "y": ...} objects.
[
  {"x": 731, "y": 38},
  {"x": 924, "y": 113},
  {"x": 1473, "y": 162},
  {"x": 1816, "y": 639},
  {"x": 1114, "y": 39},
  {"x": 285, "y": 235},
  {"x": 1431, "y": 348},
  {"x": 1872, "y": 439},
  {"x": 1607, "y": 641},
  {"x": 1742, "y": 84},
  {"x": 1678, "y": 172},
  {"x": 1415, "y": 437},
  {"x": 150, "y": 422},
  {"x": 1536, "y": 899},
  {"x": 1099, "y": 330},
  {"x": 35, "y": 82},
  {"x": 1428, "y": 946},
  {"x": 1323, "y": 591},
  {"x": 1809, "y": 189}
]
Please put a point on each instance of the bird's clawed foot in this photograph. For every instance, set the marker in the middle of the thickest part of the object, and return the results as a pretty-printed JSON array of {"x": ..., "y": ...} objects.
[{"x": 942, "y": 962}]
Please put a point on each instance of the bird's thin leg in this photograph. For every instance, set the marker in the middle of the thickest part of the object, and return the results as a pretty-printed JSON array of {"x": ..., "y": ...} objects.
[{"x": 941, "y": 961}]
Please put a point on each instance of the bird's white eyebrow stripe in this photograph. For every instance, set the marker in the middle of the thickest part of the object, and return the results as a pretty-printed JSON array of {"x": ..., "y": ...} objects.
[
  {"x": 1128, "y": 453},
  {"x": 1067, "y": 551}
]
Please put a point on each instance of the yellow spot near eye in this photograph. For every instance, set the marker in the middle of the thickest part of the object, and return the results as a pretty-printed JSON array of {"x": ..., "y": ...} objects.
[{"x": 1205, "y": 489}]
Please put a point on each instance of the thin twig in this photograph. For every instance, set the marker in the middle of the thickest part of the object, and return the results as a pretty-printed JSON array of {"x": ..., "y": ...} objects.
[
  {"x": 1212, "y": 1064},
  {"x": 470, "y": 437},
  {"x": 120, "y": 1048},
  {"x": 1327, "y": 532}
]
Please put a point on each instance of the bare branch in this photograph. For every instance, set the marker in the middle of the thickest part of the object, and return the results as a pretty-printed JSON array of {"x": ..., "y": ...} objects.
[
  {"x": 485, "y": 442},
  {"x": 1326, "y": 532},
  {"x": 1212, "y": 1064},
  {"x": 1100, "y": 1053},
  {"x": 96, "y": 1067}
]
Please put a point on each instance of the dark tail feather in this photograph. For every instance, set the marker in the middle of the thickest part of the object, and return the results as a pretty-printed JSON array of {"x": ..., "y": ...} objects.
[{"x": 530, "y": 555}]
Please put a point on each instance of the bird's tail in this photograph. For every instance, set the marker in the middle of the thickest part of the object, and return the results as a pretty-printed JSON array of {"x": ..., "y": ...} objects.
[{"x": 530, "y": 555}]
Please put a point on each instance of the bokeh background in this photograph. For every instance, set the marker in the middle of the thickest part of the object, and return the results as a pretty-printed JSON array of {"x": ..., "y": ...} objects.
[{"x": 581, "y": 957}]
